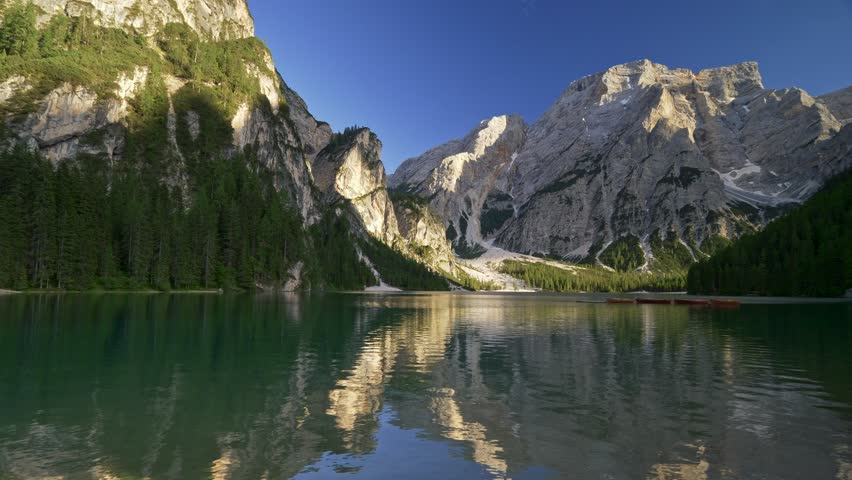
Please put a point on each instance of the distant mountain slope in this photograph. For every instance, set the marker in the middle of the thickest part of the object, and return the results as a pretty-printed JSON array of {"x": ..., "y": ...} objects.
[
  {"x": 808, "y": 252},
  {"x": 635, "y": 158}
]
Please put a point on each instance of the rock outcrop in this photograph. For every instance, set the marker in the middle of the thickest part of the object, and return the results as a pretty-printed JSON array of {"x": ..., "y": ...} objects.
[
  {"x": 641, "y": 150},
  {"x": 349, "y": 172},
  {"x": 73, "y": 119},
  {"x": 840, "y": 104},
  {"x": 459, "y": 176},
  {"x": 352, "y": 171},
  {"x": 213, "y": 19},
  {"x": 423, "y": 232},
  {"x": 66, "y": 118}
]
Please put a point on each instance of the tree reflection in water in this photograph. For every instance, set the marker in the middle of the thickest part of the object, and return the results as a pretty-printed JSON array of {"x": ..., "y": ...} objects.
[{"x": 487, "y": 386}]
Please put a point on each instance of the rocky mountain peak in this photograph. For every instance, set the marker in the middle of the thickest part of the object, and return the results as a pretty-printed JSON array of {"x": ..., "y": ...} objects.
[
  {"x": 732, "y": 81},
  {"x": 350, "y": 166},
  {"x": 459, "y": 175},
  {"x": 638, "y": 151},
  {"x": 214, "y": 19}
]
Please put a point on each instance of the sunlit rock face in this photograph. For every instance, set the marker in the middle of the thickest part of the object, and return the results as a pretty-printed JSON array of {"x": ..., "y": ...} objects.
[
  {"x": 72, "y": 119},
  {"x": 424, "y": 233},
  {"x": 641, "y": 149},
  {"x": 353, "y": 172},
  {"x": 215, "y": 19},
  {"x": 458, "y": 176},
  {"x": 69, "y": 113}
]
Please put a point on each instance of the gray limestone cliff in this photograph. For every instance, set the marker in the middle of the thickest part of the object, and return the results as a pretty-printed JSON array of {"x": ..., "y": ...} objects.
[
  {"x": 635, "y": 151},
  {"x": 214, "y": 19},
  {"x": 349, "y": 172},
  {"x": 75, "y": 117},
  {"x": 460, "y": 177}
]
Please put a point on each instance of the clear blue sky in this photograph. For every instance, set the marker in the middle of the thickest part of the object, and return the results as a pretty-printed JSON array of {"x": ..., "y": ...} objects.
[{"x": 420, "y": 72}]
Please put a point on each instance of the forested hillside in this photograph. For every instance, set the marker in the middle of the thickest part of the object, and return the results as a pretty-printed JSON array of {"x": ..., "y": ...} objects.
[
  {"x": 806, "y": 253},
  {"x": 590, "y": 278},
  {"x": 125, "y": 163},
  {"x": 84, "y": 226}
]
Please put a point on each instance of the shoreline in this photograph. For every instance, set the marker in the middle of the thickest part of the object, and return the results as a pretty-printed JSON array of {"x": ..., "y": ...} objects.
[
  {"x": 752, "y": 300},
  {"x": 89, "y": 292}
]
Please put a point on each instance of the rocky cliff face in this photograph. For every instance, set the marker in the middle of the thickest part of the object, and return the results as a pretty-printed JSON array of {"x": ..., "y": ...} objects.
[
  {"x": 840, "y": 104},
  {"x": 642, "y": 150},
  {"x": 78, "y": 118},
  {"x": 349, "y": 172},
  {"x": 459, "y": 177},
  {"x": 352, "y": 172},
  {"x": 423, "y": 232},
  {"x": 213, "y": 19}
]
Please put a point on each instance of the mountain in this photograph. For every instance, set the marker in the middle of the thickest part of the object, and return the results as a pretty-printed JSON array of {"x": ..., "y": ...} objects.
[
  {"x": 638, "y": 166},
  {"x": 808, "y": 252},
  {"x": 153, "y": 143}
]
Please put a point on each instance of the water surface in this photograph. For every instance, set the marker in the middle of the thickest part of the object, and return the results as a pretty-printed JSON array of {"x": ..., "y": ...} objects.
[{"x": 420, "y": 386}]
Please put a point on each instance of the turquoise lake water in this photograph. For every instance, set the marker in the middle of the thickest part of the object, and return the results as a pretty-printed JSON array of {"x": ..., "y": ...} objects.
[{"x": 420, "y": 386}]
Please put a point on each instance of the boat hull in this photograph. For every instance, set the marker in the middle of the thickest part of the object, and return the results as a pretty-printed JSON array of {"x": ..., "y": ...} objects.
[{"x": 653, "y": 301}]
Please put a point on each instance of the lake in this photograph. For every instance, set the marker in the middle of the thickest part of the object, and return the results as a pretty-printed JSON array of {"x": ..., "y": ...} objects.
[{"x": 432, "y": 386}]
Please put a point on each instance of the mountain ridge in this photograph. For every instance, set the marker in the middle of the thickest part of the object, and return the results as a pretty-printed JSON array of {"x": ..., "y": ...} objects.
[{"x": 701, "y": 142}]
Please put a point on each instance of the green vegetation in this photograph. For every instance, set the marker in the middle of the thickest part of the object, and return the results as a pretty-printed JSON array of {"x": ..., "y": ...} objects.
[
  {"x": 590, "y": 279},
  {"x": 670, "y": 255},
  {"x": 470, "y": 283},
  {"x": 76, "y": 51},
  {"x": 713, "y": 244},
  {"x": 808, "y": 252},
  {"x": 339, "y": 264},
  {"x": 71, "y": 50},
  {"x": 152, "y": 220},
  {"x": 221, "y": 63},
  {"x": 18, "y": 34},
  {"x": 408, "y": 200},
  {"x": 624, "y": 254},
  {"x": 399, "y": 271},
  {"x": 341, "y": 139},
  {"x": 82, "y": 225}
]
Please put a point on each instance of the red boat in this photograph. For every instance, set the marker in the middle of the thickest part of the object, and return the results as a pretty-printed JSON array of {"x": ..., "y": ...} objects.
[
  {"x": 691, "y": 301},
  {"x": 621, "y": 300},
  {"x": 654, "y": 301}
]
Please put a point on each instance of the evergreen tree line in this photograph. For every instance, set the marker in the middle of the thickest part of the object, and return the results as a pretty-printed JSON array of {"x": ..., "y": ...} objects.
[
  {"x": 806, "y": 253},
  {"x": 590, "y": 279},
  {"x": 400, "y": 271},
  {"x": 339, "y": 264},
  {"x": 81, "y": 225},
  {"x": 624, "y": 254}
]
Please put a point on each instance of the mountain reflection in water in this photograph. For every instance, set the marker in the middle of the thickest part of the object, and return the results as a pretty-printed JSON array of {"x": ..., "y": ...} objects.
[{"x": 420, "y": 386}]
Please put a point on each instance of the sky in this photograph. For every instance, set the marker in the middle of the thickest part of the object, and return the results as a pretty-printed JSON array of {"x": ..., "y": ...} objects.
[{"x": 422, "y": 72}]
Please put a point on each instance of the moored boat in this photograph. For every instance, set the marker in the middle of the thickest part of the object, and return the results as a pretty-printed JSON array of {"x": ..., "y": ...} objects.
[
  {"x": 654, "y": 301},
  {"x": 620, "y": 300},
  {"x": 691, "y": 301}
]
